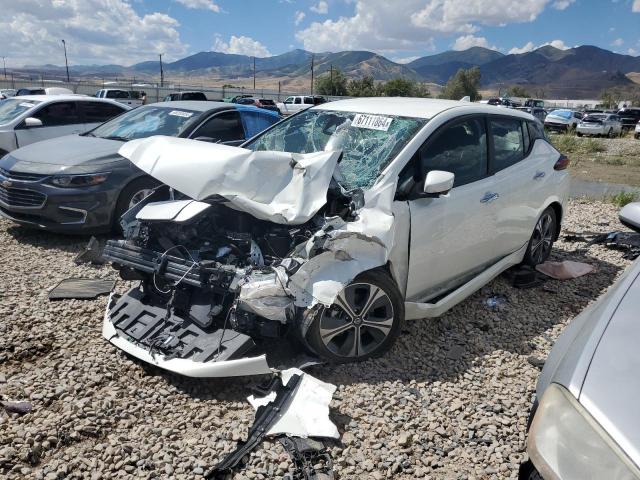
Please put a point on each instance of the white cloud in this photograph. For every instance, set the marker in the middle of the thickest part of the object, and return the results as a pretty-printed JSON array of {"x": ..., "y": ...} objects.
[
  {"x": 241, "y": 46},
  {"x": 96, "y": 31},
  {"x": 529, "y": 47},
  {"x": 562, "y": 4},
  {"x": 467, "y": 41},
  {"x": 617, "y": 42},
  {"x": 380, "y": 25},
  {"x": 632, "y": 51},
  {"x": 200, "y": 4},
  {"x": 321, "y": 7},
  {"x": 404, "y": 60},
  {"x": 636, "y": 6},
  {"x": 298, "y": 17}
]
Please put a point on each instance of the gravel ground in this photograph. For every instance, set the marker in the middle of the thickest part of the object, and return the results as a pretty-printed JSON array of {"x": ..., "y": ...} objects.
[{"x": 449, "y": 401}]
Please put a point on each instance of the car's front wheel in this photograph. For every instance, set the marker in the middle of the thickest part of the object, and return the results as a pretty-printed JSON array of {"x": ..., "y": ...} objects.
[
  {"x": 132, "y": 194},
  {"x": 363, "y": 322},
  {"x": 542, "y": 238}
]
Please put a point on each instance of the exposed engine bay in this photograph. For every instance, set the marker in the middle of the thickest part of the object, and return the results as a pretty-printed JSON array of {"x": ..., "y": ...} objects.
[{"x": 209, "y": 286}]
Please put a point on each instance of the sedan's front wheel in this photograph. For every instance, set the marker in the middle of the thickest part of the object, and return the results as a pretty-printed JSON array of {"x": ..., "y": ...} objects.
[
  {"x": 542, "y": 238},
  {"x": 363, "y": 322}
]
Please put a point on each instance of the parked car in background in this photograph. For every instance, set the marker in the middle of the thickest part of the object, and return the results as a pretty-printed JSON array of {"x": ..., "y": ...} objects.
[
  {"x": 296, "y": 103},
  {"x": 265, "y": 103},
  {"x": 537, "y": 112},
  {"x": 79, "y": 183},
  {"x": 562, "y": 120},
  {"x": 235, "y": 98},
  {"x": 629, "y": 117},
  {"x": 7, "y": 92},
  {"x": 534, "y": 102},
  {"x": 585, "y": 423},
  {"x": 132, "y": 98},
  {"x": 341, "y": 222},
  {"x": 636, "y": 133},
  {"x": 592, "y": 110},
  {"x": 177, "y": 96},
  {"x": 43, "y": 91},
  {"x": 599, "y": 124},
  {"x": 30, "y": 119}
]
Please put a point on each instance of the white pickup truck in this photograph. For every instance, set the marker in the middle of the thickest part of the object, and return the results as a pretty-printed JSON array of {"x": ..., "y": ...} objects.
[
  {"x": 131, "y": 98},
  {"x": 296, "y": 103}
]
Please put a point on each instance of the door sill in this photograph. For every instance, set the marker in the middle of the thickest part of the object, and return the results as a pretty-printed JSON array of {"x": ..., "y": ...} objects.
[{"x": 416, "y": 310}]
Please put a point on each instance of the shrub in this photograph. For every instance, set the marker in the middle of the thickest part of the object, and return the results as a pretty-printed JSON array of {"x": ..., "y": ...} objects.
[{"x": 620, "y": 199}]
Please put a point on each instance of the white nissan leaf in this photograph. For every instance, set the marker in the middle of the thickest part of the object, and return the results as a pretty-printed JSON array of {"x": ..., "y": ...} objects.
[{"x": 327, "y": 231}]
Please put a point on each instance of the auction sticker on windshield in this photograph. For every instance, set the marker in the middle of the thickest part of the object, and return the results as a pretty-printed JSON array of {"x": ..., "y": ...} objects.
[
  {"x": 373, "y": 122},
  {"x": 27, "y": 105},
  {"x": 180, "y": 113}
]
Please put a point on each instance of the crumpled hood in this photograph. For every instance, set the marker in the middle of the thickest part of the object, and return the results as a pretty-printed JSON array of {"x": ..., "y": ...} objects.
[
  {"x": 68, "y": 154},
  {"x": 280, "y": 187}
]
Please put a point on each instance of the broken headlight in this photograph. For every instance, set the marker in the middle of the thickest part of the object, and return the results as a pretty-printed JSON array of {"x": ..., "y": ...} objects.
[{"x": 70, "y": 181}]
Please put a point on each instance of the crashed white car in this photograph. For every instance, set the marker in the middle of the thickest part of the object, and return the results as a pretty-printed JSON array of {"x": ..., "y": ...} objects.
[{"x": 328, "y": 230}]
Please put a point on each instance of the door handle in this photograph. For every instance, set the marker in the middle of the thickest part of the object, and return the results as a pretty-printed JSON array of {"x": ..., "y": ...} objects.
[
  {"x": 489, "y": 197},
  {"x": 539, "y": 175}
]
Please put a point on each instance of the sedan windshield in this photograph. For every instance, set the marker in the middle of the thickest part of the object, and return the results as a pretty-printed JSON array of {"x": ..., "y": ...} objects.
[
  {"x": 566, "y": 114},
  {"x": 368, "y": 142},
  {"x": 12, "y": 108},
  {"x": 146, "y": 121}
]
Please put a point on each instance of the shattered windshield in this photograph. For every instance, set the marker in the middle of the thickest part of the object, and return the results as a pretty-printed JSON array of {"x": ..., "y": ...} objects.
[{"x": 368, "y": 142}]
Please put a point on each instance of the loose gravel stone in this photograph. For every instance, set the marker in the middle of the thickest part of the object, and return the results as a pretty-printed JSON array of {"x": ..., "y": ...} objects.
[{"x": 449, "y": 401}]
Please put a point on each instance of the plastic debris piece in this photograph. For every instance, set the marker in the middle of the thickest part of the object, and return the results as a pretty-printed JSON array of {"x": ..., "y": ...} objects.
[
  {"x": 17, "y": 407},
  {"x": 81, "y": 288},
  {"x": 92, "y": 253},
  {"x": 495, "y": 301},
  {"x": 564, "y": 270},
  {"x": 310, "y": 458}
]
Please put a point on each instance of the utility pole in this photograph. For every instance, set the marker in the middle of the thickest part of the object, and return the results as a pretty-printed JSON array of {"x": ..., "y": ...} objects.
[
  {"x": 312, "y": 60},
  {"x": 331, "y": 77},
  {"x": 254, "y": 75},
  {"x": 161, "y": 72},
  {"x": 66, "y": 62},
  {"x": 4, "y": 65}
]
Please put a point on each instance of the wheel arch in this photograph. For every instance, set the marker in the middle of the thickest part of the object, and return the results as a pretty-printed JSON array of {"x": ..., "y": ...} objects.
[
  {"x": 137, "y": 178},
  {"x": 557, "y": 208}
]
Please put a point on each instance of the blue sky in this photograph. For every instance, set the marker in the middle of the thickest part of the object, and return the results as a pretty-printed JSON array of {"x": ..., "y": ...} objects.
[{"x": 129, "y": 31}]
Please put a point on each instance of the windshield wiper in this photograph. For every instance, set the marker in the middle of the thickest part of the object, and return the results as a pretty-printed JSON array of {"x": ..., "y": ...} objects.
[
  {"x": 115, "y": 137},
  {"x": 87, "y": 134}
]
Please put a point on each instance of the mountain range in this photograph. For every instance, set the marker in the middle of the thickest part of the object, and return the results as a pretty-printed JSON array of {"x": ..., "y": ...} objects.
[{"x": 579, "y": 72}]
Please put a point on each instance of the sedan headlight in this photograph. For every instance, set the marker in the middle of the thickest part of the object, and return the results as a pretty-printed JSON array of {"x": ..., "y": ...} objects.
[
  {"x": 79, "y": 180},
  {"x": 566, "y": 443}
]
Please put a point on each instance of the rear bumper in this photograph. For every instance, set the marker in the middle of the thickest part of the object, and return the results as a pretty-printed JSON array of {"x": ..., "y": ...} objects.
[
  {"x": 591, "y": 130},
  {"x": 556, "y": 127}
]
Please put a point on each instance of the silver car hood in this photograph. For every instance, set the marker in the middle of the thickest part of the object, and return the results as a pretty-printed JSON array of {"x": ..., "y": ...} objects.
[
  {"x": 280, "y": 187},
  {"x": 65, "y": 155},
  {"x": 612, "y": 385}
]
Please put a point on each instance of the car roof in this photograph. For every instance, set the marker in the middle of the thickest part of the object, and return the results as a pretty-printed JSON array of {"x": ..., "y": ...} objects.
[
  {"x": 411, "y": 107},
  {"x": 68, "y": 97},
  {"x": 196, "y": 105}
]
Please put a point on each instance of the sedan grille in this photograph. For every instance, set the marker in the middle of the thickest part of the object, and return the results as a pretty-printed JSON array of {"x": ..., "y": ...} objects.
[
  {"x": 20, "y": 197},
  {"x": 22, "y": 177}
]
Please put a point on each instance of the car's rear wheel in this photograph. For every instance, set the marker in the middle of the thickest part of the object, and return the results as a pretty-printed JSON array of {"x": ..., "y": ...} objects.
[
  {"x": 542, "y": 238},
  {"x": 579, "y": 134},
  {"x": 363, "y": 322},
  {"x": 610, "y": 133},
  {"x": 132, "y": 194}
]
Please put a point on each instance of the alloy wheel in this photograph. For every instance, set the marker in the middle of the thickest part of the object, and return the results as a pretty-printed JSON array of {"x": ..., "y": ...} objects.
[
  {"x": 358, "y": 322},
  {"x": 542, "y": 239}
]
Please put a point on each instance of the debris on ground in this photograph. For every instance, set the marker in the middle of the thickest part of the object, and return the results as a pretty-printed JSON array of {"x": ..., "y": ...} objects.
[
  {"x": 628, "y": 242},
  {"x": 92, "y": 253},
  {"x": 524, "y": 276},
  {"x": 564, "y": 270},
  {"x": 311, "y": 460},
  {"x": 536, "y": 361},
  {"x": 17, "y": 407},
  {"x": 81, "y": 288},
  {"x": 495, "y": 301}
]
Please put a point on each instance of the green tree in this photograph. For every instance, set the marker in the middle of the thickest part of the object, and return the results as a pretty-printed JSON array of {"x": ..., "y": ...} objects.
[
  {"x": 517, "y": 91},
  {"x": 331, "y": 83},
  {"x": 401, "y": 87},
  {"x": 463, "y": 83},
  {"x": 362, "y": 87}
]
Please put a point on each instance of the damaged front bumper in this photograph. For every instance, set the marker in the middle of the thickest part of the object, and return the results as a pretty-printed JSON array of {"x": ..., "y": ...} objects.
[{"x": 128, "y": 323}]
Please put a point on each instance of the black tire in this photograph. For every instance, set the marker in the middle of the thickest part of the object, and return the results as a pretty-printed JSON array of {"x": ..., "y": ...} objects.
[
  {"x": 130, "y": 193},
  {"x": 610, "y": 133},
  {"x": 579, "y": 134},
  {"x": 375, "y": 336},
  {"x": 542, "y": 238}
]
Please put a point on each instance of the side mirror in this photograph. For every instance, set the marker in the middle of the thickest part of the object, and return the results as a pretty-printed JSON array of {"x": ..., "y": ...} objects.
[
  {"x": 630, "y": 216},
  {"x": 438, "y": 183},
  {"x": 31, "y": 122}
]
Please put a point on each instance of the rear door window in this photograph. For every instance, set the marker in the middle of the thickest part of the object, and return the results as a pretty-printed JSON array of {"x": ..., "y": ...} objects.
[
  {"x": 59, "y": 113},
  {"x": 460, "y": 149},
  {"x": 508, "y": 142},
  {"x": 222, "y": 127},
  {"x": 98, "y": 112},
  {"x": 298, "y": 101},
  {"x": 308, "y": 100}
]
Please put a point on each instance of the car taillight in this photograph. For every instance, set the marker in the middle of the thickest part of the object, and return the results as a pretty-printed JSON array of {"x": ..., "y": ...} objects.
[{"x": 562, "y": 163}]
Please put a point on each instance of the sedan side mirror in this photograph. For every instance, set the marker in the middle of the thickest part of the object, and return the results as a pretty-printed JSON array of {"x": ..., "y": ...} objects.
[
  {"x": 31, "y": 122},
  {"x": 630, "y": 216},
  {"x": 438, "y": 183}
]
